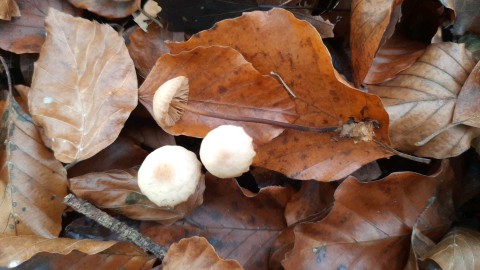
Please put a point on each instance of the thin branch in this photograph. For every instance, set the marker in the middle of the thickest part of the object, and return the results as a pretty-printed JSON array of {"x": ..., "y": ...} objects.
[
  {"x": 122, "y": 229},
  {"x": 400, "y": 154},
  {"x": 9, "y": 78}
]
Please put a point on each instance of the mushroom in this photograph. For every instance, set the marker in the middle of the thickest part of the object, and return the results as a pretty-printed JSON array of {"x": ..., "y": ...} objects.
[
  {"x": 227, "y": 151},
  {"x": 169, "y": 175}
]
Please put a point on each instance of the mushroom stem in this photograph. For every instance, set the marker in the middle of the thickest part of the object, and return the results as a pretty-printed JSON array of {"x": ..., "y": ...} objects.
[{"x": 183, "y": 106}]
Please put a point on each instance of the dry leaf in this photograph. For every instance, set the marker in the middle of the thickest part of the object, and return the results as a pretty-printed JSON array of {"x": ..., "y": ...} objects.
[
  {"x": 370, "y": 224},
  {"x": 146, "y": 48},
  {"x": 33, "y": 183},
  {"x": 108, "y": 8},
  {"x": 467, "y": 110},
  {"x": 8, "y": 9},
  {"x": 120, "y": 256},
  {"x": 397, "y": 54},
  {"x": 421, "y": 100},
  {"x": 26, "y": 34},
  {"x": 459, "y": 250},
  {"x": 84, "y": 86},
  {"x": 368, "y": 26},
  {"x": 295, "y": 50},
  {"x": 467, "y": 15},
  {"x": 196, "y": 253},
  {"x": 118, "y": 191},
  {"x": 323, "y": 26},
  {"x": 472, "y": 43},
  {"x": 223, "y": 82},
  {"x": 240, "y": 227}
]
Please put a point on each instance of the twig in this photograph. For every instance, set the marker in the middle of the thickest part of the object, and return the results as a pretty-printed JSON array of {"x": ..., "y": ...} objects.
[
  {"x": 400, "y": 154},
  {"x": 283, "y": 83},
  {"x": 122, "y": 229},
  {"x": 7, "y": 72}
]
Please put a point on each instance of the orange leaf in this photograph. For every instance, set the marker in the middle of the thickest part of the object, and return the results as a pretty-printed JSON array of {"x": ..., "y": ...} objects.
[
  {"x": 295, "y": 50},
  {"x": 26, "y": 34},
  {"x": 33, "y": 183},
  {"x": 84, "y": 86},
  {"x": 196, "y": 253},
  {"x": 422, "y": 98},
  {"x": 240, "y": 227},
  {"x": 371, "y": 223},
  {"x": 8, "y": 9},
  {"x": 111, "y": 9},
  {"x": 118, "y": 191},
  {"x": 221, "y": 81}
]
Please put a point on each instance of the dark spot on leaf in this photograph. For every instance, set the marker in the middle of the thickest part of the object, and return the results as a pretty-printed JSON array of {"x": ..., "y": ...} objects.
[
  {"x": 24, "y": 209},
  {"x": 134, "y": 198},
  {"x": 303, "y": 156},
  {"x": 11, "y": 226},
  {"x": 14, "y": 204},
  {"x": 53, "y": 197},
  {"x": 321, "y": 253},
  {"x": 341, "y": 267},
  {"x": 17, "y": 222},
  {"x": 215, "y": 215},
  {"x": 222, "y": 90}
]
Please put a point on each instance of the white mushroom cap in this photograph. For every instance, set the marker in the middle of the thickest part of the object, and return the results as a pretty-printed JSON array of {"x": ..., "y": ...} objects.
[
  {"x": 227, "y": 151},
  {"x": 169, "y": 175},
  {"x": 173, "y": 89}
]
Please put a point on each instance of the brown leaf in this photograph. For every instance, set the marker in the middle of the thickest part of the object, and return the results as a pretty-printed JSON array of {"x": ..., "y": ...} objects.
[
  {"x": 368, "y": 25},
  {"x": 8, "y": 9},
  {"x": 397, "y": 54},
  {"x": 33, "y": 183},
  {"x": 240, "y": 227},
  {"x": 196, "y": 253},
  {"x": 421, "y": 99},
  {"x": 370, "y": 223},
  {"x": 108, "y": 8},
  {"x": 467, "y": 110},
  {"x": 84, "y": 86},
  {"x": 26, "y": 34},
  {"x": 323, "y": 26},
  {"x": 117, "y": 257},
  {"x": 223, "y": 82},
  {"x": 459, "y": 249},
  {"x": 467, "y": 15},
  {"x": 146, "y": 48},
  {"x": 118, "y": 191},
  {"x": 295, "y": 50}
]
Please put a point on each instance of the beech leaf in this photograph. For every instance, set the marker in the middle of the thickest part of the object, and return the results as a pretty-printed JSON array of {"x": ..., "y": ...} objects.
[
  {"x": 295, "y": 51},
  {"x": 467, "y": 15},
  {"x": 26, "y": 34},
  {"x": 84, "y": 86},
  {"x": 8, "y": 9},
  {"x": 196, "y": 253},
  {"x": 108, "y": 8},
  {"x": 33, "y": 183},
  {"x": 421, "y": 100}
]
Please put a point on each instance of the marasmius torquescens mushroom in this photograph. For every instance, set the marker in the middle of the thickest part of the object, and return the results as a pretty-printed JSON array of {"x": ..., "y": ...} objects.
[{"x": 170, "y": 101}]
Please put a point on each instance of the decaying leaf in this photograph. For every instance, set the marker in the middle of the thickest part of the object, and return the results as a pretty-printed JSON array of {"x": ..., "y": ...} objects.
[
  {"x": 146, "y": 48},
  {"x": 295, "y": 50},
  {"x": 8, "y": 9},
  {"x": 221, "y": 81},
  {"x": 467, "y": 15},
  {"x": 459, "y": 249},
  {"x": 421, "y": 100},
  {"x": 26, "y": 34},
  {"x": 108, "y": 8},
  {"x": 118, "y": 191},
  {"x": 196, "y": 253},
  {"x": 84, "y": 86},
  {"x": 33, "y": 183},
  {"x": 240, "y": 227},
  {"x": 472, "y": 43},
  {"x": 369, "y": 219},
  {"x": 368, "y": 26},
  {"x": 467, "y": 110}
]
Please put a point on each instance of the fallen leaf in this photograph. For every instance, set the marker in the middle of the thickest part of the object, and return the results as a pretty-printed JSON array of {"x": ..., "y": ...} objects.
[
  {"x": 421, "y": 100},
  {"x": 8, "y": 9},
  {"x": 118, "y": 191},
  {"x": 323, "y": 26},
  {"x": 27, "y": 61},
  {"x": 368, "y": 25},
  {"x": 295, "y": 50},
  {"x": 223, "y": 82},
  {"x": 196, "y": 253},
  {"x": 84, "y": 86},
  {"x": 108, "y": 8},
  {"x": 26, "y": 34},
  {"x": 126, "y": 257},
  {"x": 33, "y": 183},
  {"x": 397, "y": 54},
  {"x": 146, "y": 48},
  {"x": 467, "y": 15},
  {"x": 240, "y": 227},
  {"x": 148, "y": 134},
  {"x": 459, "y": 249},
  {"x": 466, "y": 108},
  {"x": 370, "y": 224},
  {"x": 472, "y": 43},
  {"x": 152, "y": 9}
]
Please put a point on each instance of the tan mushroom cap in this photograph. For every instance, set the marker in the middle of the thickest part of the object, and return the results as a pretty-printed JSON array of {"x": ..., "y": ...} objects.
[
  {"x": 169, "y": 175},
  {"x": 227, "y": 151},
  {"x": 176, "y": 89}
]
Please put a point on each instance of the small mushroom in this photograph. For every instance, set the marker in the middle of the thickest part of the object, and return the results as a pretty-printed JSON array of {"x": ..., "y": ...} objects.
[
  {"x": 172, "y": 92},
  {"x": 227, "y": 151},
  {"x": 169, "y": 175}
]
